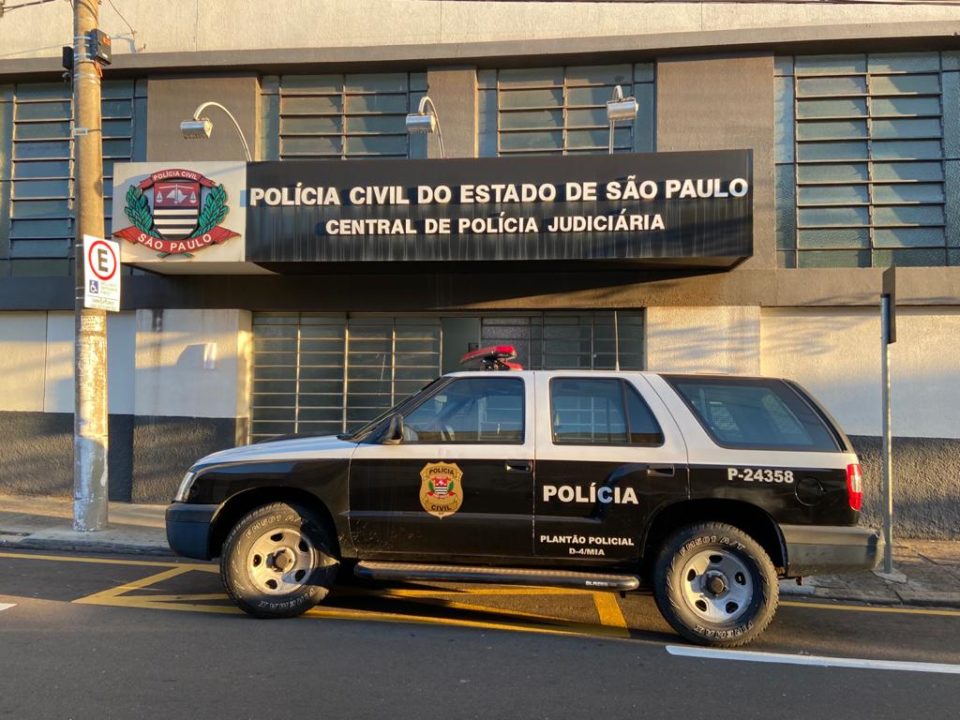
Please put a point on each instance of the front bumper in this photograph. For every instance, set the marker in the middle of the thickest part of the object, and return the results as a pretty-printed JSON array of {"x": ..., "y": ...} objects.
[
  {"x": 188, "y": 529},
  {"x": 818, "y": 549}
]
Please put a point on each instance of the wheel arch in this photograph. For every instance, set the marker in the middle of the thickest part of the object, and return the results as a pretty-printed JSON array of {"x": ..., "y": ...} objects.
[
  {"x": 239, "y": 504},
  {"x": 751, "y": 519}
]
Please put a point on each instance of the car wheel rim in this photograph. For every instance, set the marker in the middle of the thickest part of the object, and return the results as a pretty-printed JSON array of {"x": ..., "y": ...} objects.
[
  {"x": 717, "y": 586},
  {"x": 280, "y": 561}
]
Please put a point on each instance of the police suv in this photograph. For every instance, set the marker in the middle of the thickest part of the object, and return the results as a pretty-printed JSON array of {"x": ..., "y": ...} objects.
[{"x": 708, "y": 488}]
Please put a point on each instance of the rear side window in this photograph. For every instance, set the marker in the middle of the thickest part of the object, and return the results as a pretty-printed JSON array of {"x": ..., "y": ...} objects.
[
  {"x": 600, "y": 411},
  {"x": 754, "y": 413}
]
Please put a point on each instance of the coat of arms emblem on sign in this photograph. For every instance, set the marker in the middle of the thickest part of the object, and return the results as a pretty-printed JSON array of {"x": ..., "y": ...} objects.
[{"x": 183, "y": 217}]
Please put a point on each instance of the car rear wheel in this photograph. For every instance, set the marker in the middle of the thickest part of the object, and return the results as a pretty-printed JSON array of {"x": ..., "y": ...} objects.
[
  {"x": 715, "y": 585},
  {"x": 279, "y": 560}
]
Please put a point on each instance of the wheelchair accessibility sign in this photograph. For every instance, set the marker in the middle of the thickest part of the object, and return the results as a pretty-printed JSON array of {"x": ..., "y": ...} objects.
[{"x": 102, "y": 273}]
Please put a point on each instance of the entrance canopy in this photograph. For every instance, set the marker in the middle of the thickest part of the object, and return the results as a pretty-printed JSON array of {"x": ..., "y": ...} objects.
[{"x": 686, "y": 209}]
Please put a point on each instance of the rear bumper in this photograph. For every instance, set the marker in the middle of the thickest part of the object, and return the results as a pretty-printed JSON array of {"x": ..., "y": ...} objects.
[
  {"x": 818, "y": 549},
  {"x": 188, "y": 529}
]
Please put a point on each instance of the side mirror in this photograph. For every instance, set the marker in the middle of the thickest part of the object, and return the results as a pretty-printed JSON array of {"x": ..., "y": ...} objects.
[{"x": 394, "y": 432}]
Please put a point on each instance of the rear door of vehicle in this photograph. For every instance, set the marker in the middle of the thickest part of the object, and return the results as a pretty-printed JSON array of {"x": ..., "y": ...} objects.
[
  {"x": 460, "y": 484},
  {"x": 609, "y": 455}
]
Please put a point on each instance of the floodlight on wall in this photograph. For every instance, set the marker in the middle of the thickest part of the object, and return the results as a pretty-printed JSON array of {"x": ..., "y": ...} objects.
[
  {"x": 620, "y": 108},
  {"x": 200, "y": 128},
  {"x": 196, "y": 129},
  {"x": 425, "y": 121}
]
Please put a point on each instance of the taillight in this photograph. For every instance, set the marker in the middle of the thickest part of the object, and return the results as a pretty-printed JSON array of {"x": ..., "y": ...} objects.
[{"x": 855, "y": 486}]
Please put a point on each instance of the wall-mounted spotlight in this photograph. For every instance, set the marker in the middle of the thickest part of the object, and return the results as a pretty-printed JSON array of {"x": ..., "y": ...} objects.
[
  {"x": 425, "y": 121},
  {"x": 200, "y": 128},
  {"x": 620, "y": 108}
]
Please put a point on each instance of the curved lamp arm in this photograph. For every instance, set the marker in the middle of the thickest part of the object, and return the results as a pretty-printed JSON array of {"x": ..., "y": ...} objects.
[
  {"x": 433, "y": 109},
  {"x": 209, "y": 103}
]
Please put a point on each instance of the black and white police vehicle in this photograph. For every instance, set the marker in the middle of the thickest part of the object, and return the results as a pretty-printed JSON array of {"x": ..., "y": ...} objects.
[{"x": 706, "y": 488}]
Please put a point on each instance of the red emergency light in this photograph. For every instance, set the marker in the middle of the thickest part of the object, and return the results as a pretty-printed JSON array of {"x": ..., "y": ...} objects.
[{"x": 495, "y": 357}]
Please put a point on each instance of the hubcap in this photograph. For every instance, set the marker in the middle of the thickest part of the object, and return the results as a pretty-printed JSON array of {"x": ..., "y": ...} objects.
[
  {"x": 717, "y": 586},
  {"x": 280, "y": 561}
]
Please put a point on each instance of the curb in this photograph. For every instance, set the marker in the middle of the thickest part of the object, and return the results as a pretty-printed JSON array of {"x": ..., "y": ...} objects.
[
  {"x": 93, "y": 546},
  {"x": 904, "y": 597}
]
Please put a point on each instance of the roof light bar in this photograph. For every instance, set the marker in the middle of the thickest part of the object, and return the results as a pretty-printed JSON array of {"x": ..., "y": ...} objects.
[{"x": 494, "y": 357}]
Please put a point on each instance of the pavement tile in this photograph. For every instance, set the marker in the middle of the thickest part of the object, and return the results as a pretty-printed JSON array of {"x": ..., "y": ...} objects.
[
  {"x": 874, "y": 597},
  {"x": 913, "y": 596}
]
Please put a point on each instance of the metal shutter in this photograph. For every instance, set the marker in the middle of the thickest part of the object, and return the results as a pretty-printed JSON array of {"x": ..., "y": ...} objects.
[
  {"x": 861, "y": 167},
  {"x": 41, "y": 226}
]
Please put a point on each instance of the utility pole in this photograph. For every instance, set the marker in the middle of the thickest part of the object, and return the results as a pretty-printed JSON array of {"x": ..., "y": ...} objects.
[{"x": 90, "y": 344}]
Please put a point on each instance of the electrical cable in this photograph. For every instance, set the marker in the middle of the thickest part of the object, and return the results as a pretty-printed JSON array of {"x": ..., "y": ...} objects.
[
  {"x": 901, "y": 3},
  {"x": 4, "y": 8},
  {"x": 133, "y": 33}
]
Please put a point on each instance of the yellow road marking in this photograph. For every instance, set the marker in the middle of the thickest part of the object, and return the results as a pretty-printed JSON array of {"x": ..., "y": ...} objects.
[
  {"x": 945, "y": 612},
  {"x": 576, "y": 629},
  {"x": 118, "y": 596},
  {"x": 187, "y": 597},
  {"x": 108, "y": 561},
  {"x": 507, "y": 612},
  {"x": 115, "y": 592},
  {"x": 141, "y": 603},
  {"x": 607, "y": 606},
  {"x": 610, "y": 613}
]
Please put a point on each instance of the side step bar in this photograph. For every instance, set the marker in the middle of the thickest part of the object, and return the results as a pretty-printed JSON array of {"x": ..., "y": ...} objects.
[{"x": 378, "y": 570}]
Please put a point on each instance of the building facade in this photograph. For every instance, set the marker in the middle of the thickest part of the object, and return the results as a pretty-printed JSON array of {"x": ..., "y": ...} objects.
[{"x": 851, "y": 114}]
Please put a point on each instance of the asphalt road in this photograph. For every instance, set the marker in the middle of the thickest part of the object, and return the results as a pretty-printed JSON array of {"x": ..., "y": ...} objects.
[{"x": 114, "y": 637}]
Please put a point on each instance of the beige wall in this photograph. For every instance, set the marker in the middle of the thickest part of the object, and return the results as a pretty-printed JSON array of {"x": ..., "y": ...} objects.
[
  {"x": 171, "y": 100},
  {"x": 703, "y": 339},
  {"x": 192, "y": 25},
  {"x": 172, "y": 377},
  {"x": 22, "y": 360},
  {"x": 454, "y": 90},
  {"x": 835, "y": 353},
  {"x": 36, "y": 362},
  {"x": 155, "y": 363}
]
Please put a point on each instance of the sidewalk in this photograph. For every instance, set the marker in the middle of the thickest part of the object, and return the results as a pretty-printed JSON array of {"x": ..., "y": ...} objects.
[
  {"x": 46, "y": 523},
  {"x": 927, "y": 571}
]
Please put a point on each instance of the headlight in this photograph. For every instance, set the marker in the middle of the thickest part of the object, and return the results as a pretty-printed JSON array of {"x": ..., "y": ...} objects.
[{"x": 185, "y": 486}]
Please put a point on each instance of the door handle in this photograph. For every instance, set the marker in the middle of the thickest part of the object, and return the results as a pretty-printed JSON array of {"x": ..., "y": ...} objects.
[
  {"x": 660, "y": 471},
  {"x": 518, "y": 466}
]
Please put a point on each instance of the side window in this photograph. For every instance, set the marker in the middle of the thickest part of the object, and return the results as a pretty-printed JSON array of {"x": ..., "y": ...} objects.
[
  {"x": 600, "y": 411},
  {"x": 644, "y": 428},
  {"x": 469, "y": 410},
  {"x": 754, "y": 414}
]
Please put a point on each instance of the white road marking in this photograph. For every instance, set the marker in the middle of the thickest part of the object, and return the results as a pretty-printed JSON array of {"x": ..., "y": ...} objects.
[
  {"x": 6, "y": 606},
  {"x": 813, "y": 660}
]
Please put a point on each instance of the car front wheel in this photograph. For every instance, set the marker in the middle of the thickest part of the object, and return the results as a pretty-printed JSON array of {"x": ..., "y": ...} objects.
[
  {"x": 278, "y": 561},
  {"x": 715, "y": 585}
]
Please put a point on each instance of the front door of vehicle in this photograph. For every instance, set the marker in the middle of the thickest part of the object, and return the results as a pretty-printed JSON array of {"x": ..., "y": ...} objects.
[
  {"x": 607, "y": 458},
  {"x": 459, "y": 483}
]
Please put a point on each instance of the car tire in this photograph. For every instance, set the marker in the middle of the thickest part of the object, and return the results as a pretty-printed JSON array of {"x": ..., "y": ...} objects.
[
  {"x": 279, "y": 560},
  {"x": 715, "y": 585}
]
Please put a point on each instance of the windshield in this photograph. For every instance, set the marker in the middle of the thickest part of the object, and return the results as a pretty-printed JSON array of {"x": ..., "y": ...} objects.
[{"x": 361, "y": 433}]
